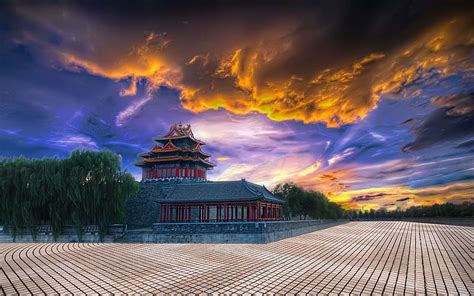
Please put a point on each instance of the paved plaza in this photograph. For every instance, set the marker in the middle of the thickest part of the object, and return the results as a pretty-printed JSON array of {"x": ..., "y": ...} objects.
[{"x": 356, "y": 258}]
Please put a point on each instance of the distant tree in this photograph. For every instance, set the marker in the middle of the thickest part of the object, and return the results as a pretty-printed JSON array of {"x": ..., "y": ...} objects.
[
  {"x": 87, "y": 188},
  {"x": 465, "y": 209},
  {"x": 307, "y": 203}
]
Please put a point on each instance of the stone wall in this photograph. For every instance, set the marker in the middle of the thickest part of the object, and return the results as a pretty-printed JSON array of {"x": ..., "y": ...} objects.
[
  {"x": 225, "y": 232},
  {"x": 142, "y": 210},
  {"x": 69, "y": 233}
]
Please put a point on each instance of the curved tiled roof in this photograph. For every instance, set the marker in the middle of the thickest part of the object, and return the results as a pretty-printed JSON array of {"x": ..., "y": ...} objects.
[
  {"x": 179, "y": 131},
  {"x": 224, "y": 191}
]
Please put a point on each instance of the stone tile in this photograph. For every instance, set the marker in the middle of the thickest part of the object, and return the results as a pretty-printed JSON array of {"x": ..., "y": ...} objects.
[{"x": 353, "y": 258}]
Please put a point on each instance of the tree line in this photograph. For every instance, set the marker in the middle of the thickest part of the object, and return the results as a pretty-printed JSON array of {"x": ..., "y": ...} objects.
[
  {"x": 306, "y": 203},
  {"x": 86, "y": 188},
  {"x": 465, "y": 209}
]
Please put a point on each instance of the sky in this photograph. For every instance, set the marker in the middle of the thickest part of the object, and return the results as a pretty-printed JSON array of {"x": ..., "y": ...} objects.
[{"x": 370, "y": 102}]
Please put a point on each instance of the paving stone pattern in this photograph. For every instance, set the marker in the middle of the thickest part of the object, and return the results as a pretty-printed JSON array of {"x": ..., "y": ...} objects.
[{"x": 357, "y": 258}]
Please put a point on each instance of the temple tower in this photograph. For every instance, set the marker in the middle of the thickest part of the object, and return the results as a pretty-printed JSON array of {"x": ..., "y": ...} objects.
[{"x": 177, "y": 155}]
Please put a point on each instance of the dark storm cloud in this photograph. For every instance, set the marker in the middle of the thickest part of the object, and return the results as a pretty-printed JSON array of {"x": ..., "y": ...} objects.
[
  {"x": 368, "y": 197},
  {"x": 466, "y": 144},
  {"x": 454, "y": 120},
  {"x": 314, "y": 61}
]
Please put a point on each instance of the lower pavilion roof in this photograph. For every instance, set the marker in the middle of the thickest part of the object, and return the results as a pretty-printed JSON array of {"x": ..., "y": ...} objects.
[
  {"x": 153, "y": 160},
  {"x": 216, "y": 192}
]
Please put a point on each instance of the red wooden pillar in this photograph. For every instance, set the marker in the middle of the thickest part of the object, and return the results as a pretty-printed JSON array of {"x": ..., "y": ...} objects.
[
  {"x": 208, "y": 211},
  {"x": 226, "y": 218},
  {"x": 257, "y": 212}
]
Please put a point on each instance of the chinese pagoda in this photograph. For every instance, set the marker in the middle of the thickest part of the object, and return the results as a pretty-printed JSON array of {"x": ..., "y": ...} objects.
[
  {"x": 179, "y": 155},
  {"x": 174, "y": 176}
]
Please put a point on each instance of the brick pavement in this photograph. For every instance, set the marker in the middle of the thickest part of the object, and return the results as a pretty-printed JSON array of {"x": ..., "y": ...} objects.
[{"x": 356, "y": 258}]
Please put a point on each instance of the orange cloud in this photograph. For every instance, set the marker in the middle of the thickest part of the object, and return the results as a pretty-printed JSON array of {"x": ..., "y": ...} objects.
[
  {"x": 338, "y": 95},
  {"x": 275, "y": 70},
  {"x": 142, "y": 61},
  {"x": 223, "y": 158},
  {"x": 442, "y": 51},
  {"x": 393, "y": 197}
]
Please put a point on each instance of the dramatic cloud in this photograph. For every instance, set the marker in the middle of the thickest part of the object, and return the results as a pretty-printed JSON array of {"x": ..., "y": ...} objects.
[
  {"x": 286, "y": 66},
  {"x": 454, "y": 120},
  {"x": 402, "y": 197}
]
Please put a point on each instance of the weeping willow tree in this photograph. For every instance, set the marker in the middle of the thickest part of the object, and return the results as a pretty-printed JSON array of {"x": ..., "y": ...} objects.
[{"x": 87, "y": 188}]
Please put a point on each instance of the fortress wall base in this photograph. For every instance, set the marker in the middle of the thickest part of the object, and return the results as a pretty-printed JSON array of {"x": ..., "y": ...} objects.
[
  {"x": 234, "y": 232},
  {"x": 46, "y": 238}
]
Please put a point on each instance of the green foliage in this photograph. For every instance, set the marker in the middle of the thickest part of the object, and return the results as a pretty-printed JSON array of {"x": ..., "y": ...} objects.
[
  {"x": 307, "y": 203},
  {"x": 465, "y": 209},
  {"x": 87, "y": 188}
]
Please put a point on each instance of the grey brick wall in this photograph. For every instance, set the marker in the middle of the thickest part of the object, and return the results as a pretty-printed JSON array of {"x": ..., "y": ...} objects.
[
  {"x": 226, "y": 232},
  {"x": 142, "y": 210}
]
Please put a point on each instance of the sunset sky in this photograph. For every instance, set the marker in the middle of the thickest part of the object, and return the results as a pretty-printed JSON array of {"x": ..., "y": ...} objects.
[{"x": 370, "y": 102}]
